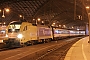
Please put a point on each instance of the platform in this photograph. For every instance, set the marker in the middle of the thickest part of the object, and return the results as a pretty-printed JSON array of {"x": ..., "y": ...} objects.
[{"x": 79, "y": 51}]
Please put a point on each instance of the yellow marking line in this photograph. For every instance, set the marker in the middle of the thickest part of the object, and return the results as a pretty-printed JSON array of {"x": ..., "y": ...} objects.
[{"x": 85, "y": 58}]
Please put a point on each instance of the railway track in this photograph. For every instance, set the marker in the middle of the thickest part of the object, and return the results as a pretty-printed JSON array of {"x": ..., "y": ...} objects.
[
  {"x": 53, "y": 51},
  {"x": 58, "y": 53}
]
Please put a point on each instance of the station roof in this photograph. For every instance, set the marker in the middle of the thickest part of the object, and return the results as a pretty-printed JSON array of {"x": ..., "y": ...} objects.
[{"x": 60, "y": 12}]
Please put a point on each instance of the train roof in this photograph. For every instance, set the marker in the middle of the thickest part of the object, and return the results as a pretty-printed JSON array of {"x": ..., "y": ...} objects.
[{"x": 16, "y": 22}]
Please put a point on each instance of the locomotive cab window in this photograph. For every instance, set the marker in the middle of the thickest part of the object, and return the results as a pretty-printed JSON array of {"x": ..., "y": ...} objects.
[{"x": 14, "y": 27}]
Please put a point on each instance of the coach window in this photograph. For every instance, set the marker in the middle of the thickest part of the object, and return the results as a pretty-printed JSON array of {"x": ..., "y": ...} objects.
[{"x": 25, "y": 28}]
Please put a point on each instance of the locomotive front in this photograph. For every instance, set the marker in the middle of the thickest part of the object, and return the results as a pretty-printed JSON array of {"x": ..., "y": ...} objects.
[{"x": 13, "y": 33}]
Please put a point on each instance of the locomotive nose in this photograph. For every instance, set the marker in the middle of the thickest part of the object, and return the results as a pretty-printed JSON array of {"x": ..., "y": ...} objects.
[{"x": 12, "y": 35}]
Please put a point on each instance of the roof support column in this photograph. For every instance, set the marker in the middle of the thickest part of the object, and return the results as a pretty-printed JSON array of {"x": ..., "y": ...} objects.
[{"x": 74, "y": 9}]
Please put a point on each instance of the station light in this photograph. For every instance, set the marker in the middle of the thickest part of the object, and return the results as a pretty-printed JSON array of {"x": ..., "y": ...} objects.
[
  {"x": 4, "y": 23},
  {"x": 42, "y": 21},
  {"x": 87, "y": 7},
  {"x": 39, "y": 19},
  {"x": 64, "y": 26},
  {"x": 7, "y": 10},
  {"x": 54, "y": 23},
  {"x": 20, "y": 15},
  {"x": 78, "y": 29},
  {"x": 0, "y": 10},
  {"x": 72, "y": 27},
  {"x": 33, "y": 19},
  {"x": 59, "y": 25}
]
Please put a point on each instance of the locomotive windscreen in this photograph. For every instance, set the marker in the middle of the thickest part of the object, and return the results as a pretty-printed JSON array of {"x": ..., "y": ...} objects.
[{"x": 14, "y": 27}]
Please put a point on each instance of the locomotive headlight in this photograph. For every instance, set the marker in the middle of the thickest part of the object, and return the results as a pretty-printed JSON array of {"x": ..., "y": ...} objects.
[{"x": 20, "y": 36}]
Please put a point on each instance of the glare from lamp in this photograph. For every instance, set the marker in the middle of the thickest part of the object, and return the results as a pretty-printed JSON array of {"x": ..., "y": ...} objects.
[{"x": 7, "y": 10}]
